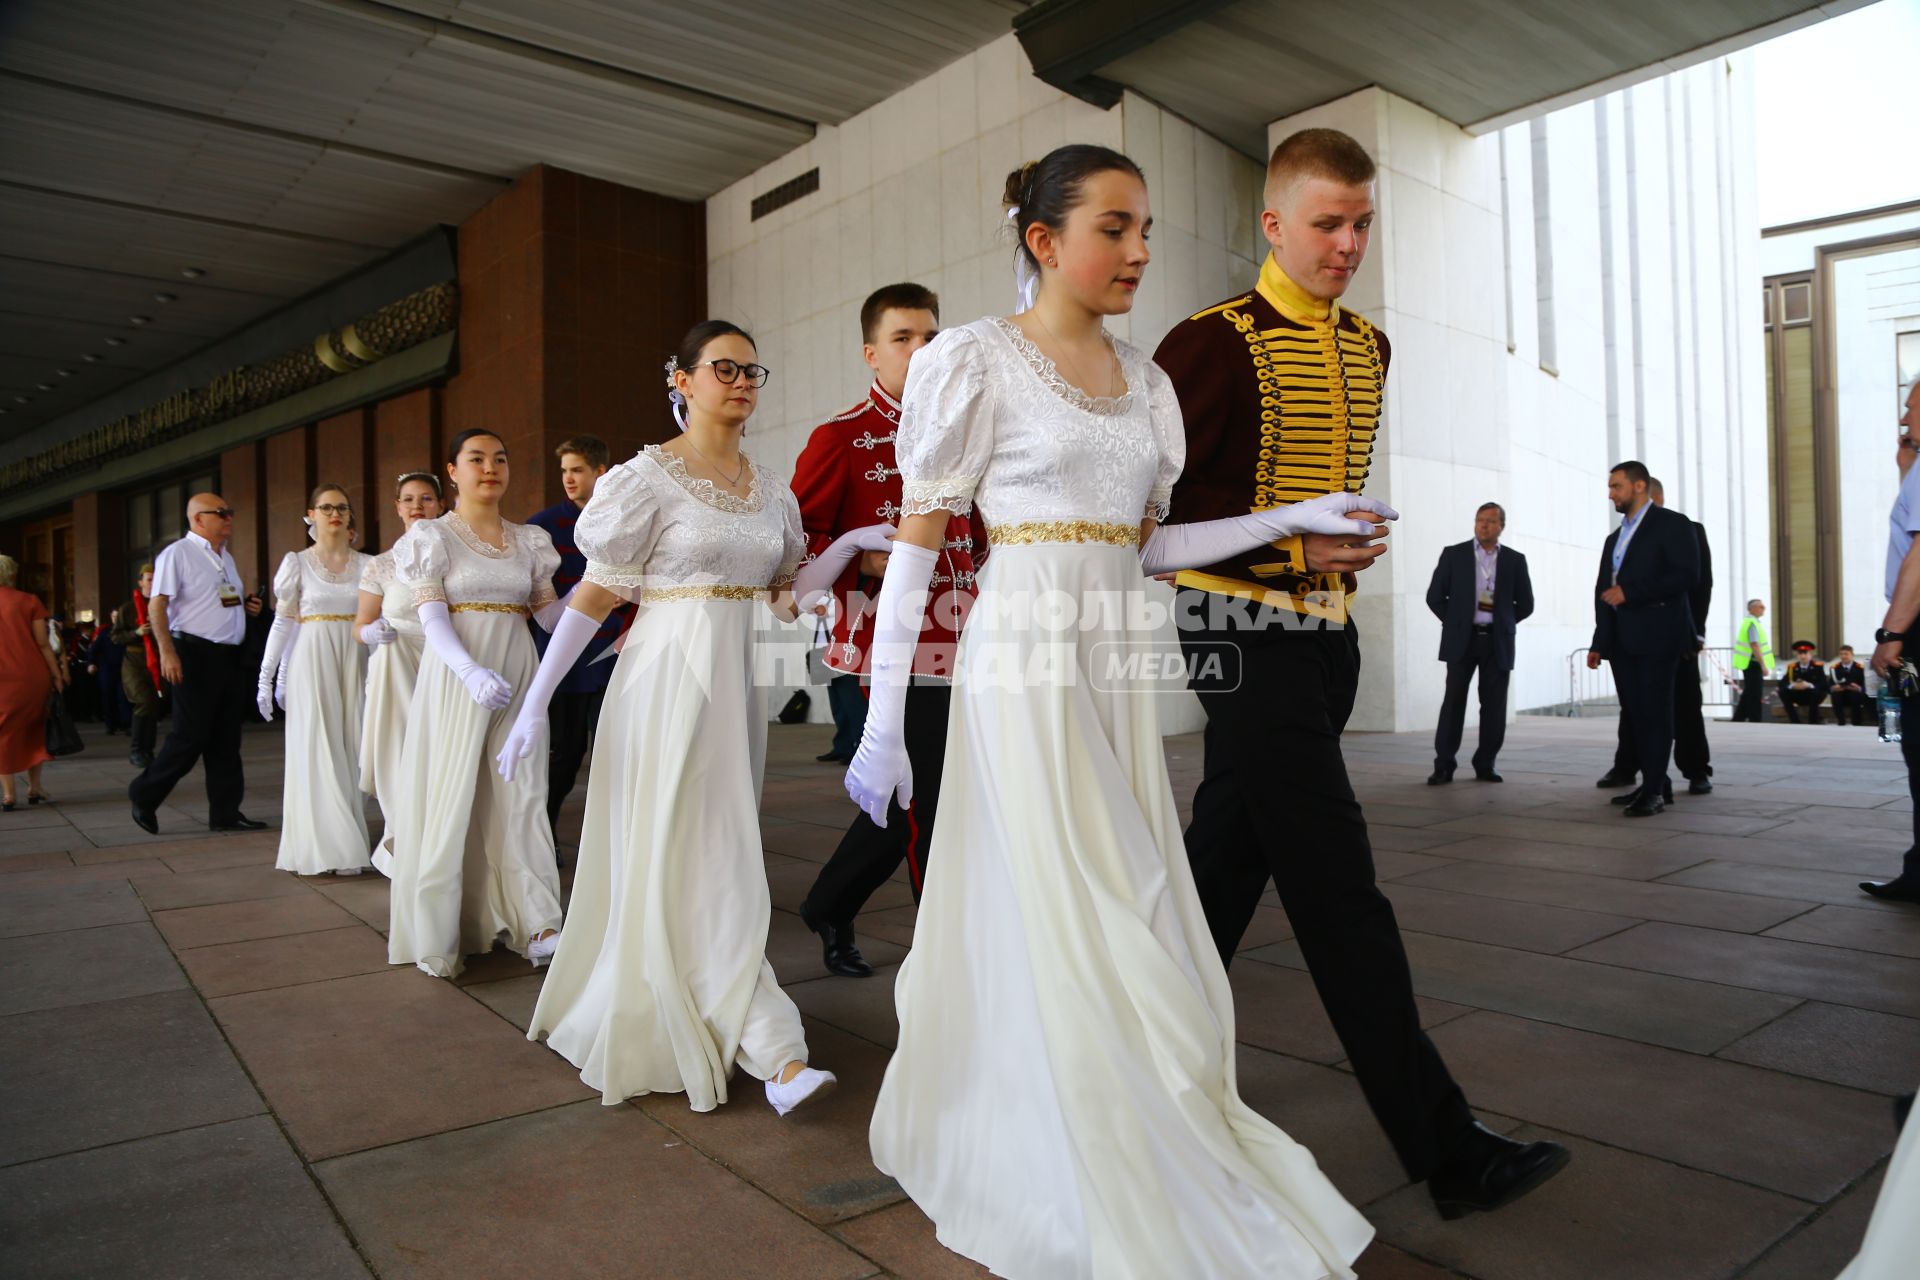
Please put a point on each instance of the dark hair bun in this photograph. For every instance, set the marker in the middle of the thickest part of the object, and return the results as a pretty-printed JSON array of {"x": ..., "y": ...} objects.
[
  {"x": 1017, "y": 183},
  {"x": 1048, "y": 189}
]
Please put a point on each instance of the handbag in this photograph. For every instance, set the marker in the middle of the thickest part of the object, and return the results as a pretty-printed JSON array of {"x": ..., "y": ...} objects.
[{"x": 63, "y": 736}]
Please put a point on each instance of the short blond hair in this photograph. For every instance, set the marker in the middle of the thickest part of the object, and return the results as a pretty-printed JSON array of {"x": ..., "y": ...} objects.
[
  {"x": 1316, "y": 153},
  {"x": 9, "y": 570}
]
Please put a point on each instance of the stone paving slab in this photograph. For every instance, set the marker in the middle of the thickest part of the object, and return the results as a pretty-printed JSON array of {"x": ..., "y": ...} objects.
[
  {"x": 1886, "y": 932},
  {"x": 1814, "y": 1141},
  {"x": 223, "y": 1202},
  {"x": 188, "y": 927},
  {"x": 1835, "y": 887},
  {"x": 82, "y": 966},
  {"x": 1820, "y": 1248},
  {"x": 339, "y": 1060},
  {"x": 1890, "y": 984},
  {"x": 1528, "y": 926},
  {"x": 1648, "y": 862},
  {"x": 96, "y": 1074},
  {"x": 900, "y": 1238},
  {"x": 576, "y": 1191},
  {"x": 1854, "y": 1047},
  {"x": 1277, "y": 1008},
  {"x": 263, "y": 963},
  {"x": 1674, "y": 899},
  {"x": 29, "y": 911},
  {"x": 204, "y": 888}
]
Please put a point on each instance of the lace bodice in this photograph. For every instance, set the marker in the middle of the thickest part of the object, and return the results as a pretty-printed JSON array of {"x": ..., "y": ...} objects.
[
  {"x": 986, "y": 419},
  {"x": 305, "y": 588},
  {"x": 445, "y": 560},
  {"x": 396, "y": 597},
  {"x": 652, "y": 528}
]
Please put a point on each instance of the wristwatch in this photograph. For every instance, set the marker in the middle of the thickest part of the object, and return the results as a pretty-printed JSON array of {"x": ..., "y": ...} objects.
[{"x": 1883, "y": 636}]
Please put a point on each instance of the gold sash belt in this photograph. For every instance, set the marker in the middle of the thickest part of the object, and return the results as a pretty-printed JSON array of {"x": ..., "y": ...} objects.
[
  {"x": 482, "y": 606},
  {"x": 700, "y": 591},
  {"x": 326, "y": 617},
  {"x": 1028, "y": 532}
]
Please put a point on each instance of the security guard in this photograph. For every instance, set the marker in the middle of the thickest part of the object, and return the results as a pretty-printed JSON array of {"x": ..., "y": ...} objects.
[{"x": 1753, "y": 659}]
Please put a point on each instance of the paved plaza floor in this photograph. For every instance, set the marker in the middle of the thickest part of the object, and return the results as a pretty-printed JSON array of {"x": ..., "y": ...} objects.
[{"x": 209, "y": 1070}]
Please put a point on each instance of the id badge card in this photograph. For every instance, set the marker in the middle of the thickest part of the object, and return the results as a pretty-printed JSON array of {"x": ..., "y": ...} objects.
[
  {"x": 229, "y": 596},
  {"x": 1486, "y": 601}
]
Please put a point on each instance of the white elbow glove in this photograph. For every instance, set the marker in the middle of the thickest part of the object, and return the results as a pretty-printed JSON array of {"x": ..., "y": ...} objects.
[
  {"x": 280, "y": 639},
  {"x": 1193, "y": 546},
  {"x": 571, "y": 635},
  {"x": 880, "y": 771},
  {"x": 547, "y": 615},
  {"x": 816, "y": 578},
  {"x": 377, "y": 633},
  {"x": 487, "y": 687}
]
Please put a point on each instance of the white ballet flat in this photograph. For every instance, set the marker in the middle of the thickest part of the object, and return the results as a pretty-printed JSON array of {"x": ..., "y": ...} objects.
[
  {"x": 541, "y": 950},
  {"x": 807, "y": 1086},
  {"x": 348, "y": 871}
]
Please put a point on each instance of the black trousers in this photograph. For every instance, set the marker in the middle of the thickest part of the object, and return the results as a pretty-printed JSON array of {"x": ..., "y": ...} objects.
[
  {"x": 1910, "y": 752},
  {"x": 1646, "y": 686},
  {"x": 868, "y": 853},
  {"x": 1691, "y": 755},
  {"x": 1808, "y": 700},
  {"x": 1753, "y": 693},
  {"x": 849, "y": 706},
  {"x": 1453, "y": 707},
  {"x": 1275, "y": 804},
  {"x": 210, "y": 704},
  {"x": 1855, "y": 707},
  {"x": 571, "y": 719}
]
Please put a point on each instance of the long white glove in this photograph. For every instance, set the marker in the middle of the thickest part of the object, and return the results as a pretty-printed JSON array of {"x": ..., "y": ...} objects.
[
  {"x": 280, "y": 641},
  {"x": 486, "y": 687},
  {"x": 547, "y": 615},
  {"x": 377, "y": 633},
  {"x": 880, "y": 771},
  {"x": 1194, "y": 546},
  {"x": 571, "y": 635},
  {"x": 817, "y": 576}
]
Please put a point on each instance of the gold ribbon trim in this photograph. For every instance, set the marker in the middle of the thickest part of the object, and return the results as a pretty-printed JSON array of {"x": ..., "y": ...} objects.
[{"x": 1029, "y": 532}]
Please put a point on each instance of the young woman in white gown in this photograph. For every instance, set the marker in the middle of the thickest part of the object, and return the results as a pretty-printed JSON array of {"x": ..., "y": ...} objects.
[
  {"x": 323, "y": 824},
  {"x": 661, "y": 983},
  {"x": 474, "y": 860},
  {"x": 390, "y": 628},
  {"x": 1062, "y": 1102}
]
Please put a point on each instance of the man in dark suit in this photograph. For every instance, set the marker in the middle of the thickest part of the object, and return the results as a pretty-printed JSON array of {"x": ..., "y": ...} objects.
[
  {"x": 1690, "y": 752},
  {"x": 1643, "y": 621},
  {"x": 1480, "y": 592},
  {"x": 1849, "y": 690},
  {"x": 1804, "y": 686}
]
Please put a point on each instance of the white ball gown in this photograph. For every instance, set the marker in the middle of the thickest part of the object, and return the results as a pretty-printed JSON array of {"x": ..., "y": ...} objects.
[
  {"x": 661, "y": 983},
  {"x": 323, "y": 824},
  {"x": 1063, "y": 1099},
  {"x": 474, "y": 861},
  {"x": 391, "y": 672},
  {"x": 1892, "y": 1242}
]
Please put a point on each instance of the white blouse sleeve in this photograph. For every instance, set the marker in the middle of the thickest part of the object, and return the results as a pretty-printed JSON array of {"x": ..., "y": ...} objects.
[
  {"x": 617, "y": 530},
  {"x": 946, "y": 425},
  {"x": 546, "y": 561},
  {"x": 286, "y": 585},
  {"x": 794, "y": 551},
  {"x": 378, "y": 573},
  {"x": 1169, "y": 430},
  {"x": 421, "y": 560}
]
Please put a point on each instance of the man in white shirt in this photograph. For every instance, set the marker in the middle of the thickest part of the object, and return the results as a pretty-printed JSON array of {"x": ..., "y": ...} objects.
[
  {"x": 1903, "y": 611},
  {"x": 199, "y": 615}
]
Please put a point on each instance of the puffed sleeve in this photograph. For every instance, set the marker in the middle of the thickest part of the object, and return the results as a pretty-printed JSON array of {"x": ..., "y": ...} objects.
[
  {"x": 946, "y": 424},
  {"x": 378, "y": 573},
  {"x": 286, "y": 585},
  {"x": 421, "y": 560},
  {"x": 546, "y": 560},
  {"x": 618, "y": 528},
  {"x": 1163, "y": 404},
  {"x": 794, "y": 540}
]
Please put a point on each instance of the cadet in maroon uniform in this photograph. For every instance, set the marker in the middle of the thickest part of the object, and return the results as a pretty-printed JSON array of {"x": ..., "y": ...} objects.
[{"x": 845, "y": 480}]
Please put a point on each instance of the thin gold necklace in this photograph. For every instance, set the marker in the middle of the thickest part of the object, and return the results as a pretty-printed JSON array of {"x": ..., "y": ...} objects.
[
  {"x": 1071, "y": 363},
  {"x": 731, "y": 484}
]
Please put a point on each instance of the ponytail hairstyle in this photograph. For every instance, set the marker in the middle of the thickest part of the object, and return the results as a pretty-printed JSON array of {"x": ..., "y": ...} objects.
[{"x": 1046, "y": 191}]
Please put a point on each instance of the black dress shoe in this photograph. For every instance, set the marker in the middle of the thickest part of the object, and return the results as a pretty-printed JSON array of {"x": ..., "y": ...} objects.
[
  {"x": 834, "y": 758},
  {"x": 1493, "y": 1171},
  {"x": 1615, "y": 778},
  {"x": 1645, "y": 805},
  {"x": 139, "y": 759},
  {"x": 144, "y": 819},
  {"x": 1898, "y": 889},
  {"x": 1440, "y": 777},
  {"x": 1487, "y": 775},
  {"x": 1699, "y": 786},
  {"x": 841, "y": 955},
  {"x": 1666, "y": 796},
  {"x": 238, "y": 822}
]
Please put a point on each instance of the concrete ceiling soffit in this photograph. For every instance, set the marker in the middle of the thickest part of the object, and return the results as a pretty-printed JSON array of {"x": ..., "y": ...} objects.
[{"x": 1069, "y": 41}]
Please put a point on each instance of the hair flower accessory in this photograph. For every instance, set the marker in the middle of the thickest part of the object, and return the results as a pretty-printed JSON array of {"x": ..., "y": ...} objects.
[
  {"x": 1026, "y": 275},
  {"x": 677, "y": 400}
]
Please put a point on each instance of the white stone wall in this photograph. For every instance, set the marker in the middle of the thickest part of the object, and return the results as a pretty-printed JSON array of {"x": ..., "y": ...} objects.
[
  {"x": 1648, "y": 217},
  {"x": 910, "y": 190}
]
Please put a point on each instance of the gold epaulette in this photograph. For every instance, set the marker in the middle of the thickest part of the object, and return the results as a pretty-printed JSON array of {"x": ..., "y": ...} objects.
[{"x": 1230, "y": 302}]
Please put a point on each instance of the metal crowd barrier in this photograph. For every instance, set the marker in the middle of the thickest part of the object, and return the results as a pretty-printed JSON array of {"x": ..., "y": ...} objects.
[{"x": 1594, "y": 689}]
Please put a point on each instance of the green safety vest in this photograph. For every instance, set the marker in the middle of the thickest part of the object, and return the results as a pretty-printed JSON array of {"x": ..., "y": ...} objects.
[{"x": 1749, "y": 630}]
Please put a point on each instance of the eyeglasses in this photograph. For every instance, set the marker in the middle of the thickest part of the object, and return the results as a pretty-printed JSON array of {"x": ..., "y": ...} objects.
[
  {"x": 729, "y": 371},
  {"x": 331, "y": 509},
  {"x": 218, "y": 513}
]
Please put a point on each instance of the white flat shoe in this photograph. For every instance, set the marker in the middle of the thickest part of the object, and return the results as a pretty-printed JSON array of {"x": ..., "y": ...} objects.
[
  {"x": 348, "y": 871},
  {"x": 541, "y": 950},
  {"x": 807, "y": 1086}
]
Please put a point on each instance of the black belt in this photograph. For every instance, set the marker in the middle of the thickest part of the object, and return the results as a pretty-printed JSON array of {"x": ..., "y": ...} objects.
[
  {"x": 185, "y": 637},
  {"x": 1483, "y": 628}
]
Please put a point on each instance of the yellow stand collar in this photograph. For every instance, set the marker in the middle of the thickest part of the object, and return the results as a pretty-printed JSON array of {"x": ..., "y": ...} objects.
[{"x": 1291, "y": 301}]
